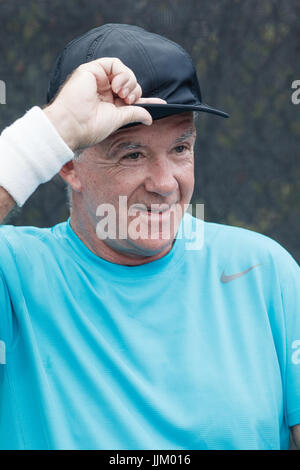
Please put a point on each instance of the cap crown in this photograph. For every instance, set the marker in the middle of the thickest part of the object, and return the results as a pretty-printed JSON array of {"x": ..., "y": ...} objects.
[{"x": 162, "y": 68}]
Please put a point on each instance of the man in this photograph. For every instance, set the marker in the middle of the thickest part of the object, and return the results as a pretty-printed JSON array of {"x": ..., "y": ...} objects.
[{"x": 125, "y": 338}]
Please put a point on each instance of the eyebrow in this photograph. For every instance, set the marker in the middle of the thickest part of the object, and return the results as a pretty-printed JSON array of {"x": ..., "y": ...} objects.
[
  {"x": 187, "y": 135},
  {"x": 125, "y": 146},
  {"x": 128, "y": 146}
]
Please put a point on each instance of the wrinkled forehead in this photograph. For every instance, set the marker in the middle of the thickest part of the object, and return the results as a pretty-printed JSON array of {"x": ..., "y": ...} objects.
[{"x": 175, "y": 124}]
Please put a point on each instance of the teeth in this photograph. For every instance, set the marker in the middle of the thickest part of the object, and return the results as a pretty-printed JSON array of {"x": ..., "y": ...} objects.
[
  {"x": 154, "y": 211},
  {"x": 157, "y": 212}
]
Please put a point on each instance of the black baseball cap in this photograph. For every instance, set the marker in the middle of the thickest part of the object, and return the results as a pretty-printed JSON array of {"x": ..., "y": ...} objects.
[{"x": 162, "y": 68}]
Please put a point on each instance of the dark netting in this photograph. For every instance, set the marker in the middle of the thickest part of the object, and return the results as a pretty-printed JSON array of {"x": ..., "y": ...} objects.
[{"x": 246, "y": 55}]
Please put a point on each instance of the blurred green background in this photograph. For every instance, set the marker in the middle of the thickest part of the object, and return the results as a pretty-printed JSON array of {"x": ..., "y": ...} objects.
[{"x": 247, "y": 56}]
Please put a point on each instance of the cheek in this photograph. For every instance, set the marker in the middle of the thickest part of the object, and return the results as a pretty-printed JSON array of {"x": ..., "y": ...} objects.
[
  {"x": 186, "y": 182},
  {"x": 105, "y": 185},
  {"x": 95, "y": 188}
]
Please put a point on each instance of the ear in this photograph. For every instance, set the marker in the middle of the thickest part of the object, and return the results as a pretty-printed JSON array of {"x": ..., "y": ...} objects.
[{"x": 69, "y": 174}]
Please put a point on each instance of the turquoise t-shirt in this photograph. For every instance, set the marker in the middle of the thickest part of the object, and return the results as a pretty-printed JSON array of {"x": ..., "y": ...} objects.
[{"x": 192, "y": 351}]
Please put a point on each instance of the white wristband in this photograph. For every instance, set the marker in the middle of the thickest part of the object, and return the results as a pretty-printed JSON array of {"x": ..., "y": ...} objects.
[{"x": 31, "y": 153}]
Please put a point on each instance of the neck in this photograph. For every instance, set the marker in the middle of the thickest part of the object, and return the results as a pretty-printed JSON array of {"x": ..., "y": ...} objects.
[{"x": 86, "y": 231}]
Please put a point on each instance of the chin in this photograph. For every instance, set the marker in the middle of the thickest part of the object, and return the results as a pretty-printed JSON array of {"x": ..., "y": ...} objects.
[
  {"x": 150, "y": 247},
  {"x": 149, "y": 235}
]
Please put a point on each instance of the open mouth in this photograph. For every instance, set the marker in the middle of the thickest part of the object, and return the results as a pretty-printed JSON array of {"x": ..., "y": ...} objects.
[
  {"x": 151, "y": 211},
  {"x": 154, "y": 208},
  {"x": 156, "y": 213}
]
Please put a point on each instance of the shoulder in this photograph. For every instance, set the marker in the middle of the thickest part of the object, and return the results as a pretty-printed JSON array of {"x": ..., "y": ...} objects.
[
  {"x": 238, "y": 241},
  {"x": 239, "y": 248},
  {"x": 18, "y": 241}
]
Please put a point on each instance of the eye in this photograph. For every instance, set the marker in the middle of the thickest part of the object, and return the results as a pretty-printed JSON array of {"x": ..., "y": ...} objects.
[
  {"x": 180, "y": 148},
  {"x": 133, "y": 156}
]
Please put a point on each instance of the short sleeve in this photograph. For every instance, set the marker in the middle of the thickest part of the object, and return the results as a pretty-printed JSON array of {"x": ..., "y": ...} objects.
[
  {"x": 6, "y": 318},
  {"x": 7, "y": 268},
  {"x": 290, "y": 275}
]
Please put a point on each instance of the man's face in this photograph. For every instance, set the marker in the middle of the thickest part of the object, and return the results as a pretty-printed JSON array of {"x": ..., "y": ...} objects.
[{"x": 151, "y": 167}]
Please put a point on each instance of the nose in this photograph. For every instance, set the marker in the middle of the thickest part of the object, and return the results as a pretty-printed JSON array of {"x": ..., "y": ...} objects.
[{"x": 161, "y": 178}]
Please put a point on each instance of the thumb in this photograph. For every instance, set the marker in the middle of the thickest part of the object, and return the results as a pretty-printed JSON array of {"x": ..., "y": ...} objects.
[{"x": 130, "y": 114}]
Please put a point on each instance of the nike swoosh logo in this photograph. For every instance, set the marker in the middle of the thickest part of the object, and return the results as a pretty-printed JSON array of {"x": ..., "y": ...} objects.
[{"x": 231, "y": 277}]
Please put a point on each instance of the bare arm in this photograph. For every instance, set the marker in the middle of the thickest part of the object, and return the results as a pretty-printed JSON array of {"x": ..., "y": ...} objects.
[
  {"x": 6, "y": 203},
  {"x": 295, "y": 438}
]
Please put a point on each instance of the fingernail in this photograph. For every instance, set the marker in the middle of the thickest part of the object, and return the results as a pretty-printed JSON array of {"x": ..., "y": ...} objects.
[
  {"x": 124, "y": 92},
  {"x": 131, "y": 98}
]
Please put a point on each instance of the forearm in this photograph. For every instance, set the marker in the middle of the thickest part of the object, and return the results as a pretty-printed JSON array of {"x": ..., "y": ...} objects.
[
  {"x": 31, "y": 152},
  {"x": 6, "y": 203},
  {"x": 295, "y": 438}
]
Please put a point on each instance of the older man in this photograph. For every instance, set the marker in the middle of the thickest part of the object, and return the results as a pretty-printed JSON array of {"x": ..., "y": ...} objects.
[{"x": 125, "y": 338}]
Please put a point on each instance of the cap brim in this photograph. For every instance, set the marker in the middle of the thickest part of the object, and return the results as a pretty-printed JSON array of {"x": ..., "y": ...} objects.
[{"x": 159, "y": 111}]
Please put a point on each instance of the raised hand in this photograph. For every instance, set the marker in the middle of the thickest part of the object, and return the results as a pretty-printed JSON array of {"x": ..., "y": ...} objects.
[{"x": 95, "y": 101}]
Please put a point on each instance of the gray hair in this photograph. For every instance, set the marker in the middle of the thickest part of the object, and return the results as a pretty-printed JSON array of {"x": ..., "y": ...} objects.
[
  {"x": 69, "y": 197},
  {"x": 196, "y": 116},
  {"x": 77, "y": 155}
]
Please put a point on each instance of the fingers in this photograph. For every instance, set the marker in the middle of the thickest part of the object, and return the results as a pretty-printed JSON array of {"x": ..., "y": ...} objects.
[
  {"x": 103, "y": 83},
  {"x": 130, "y": 114},
  {"x": 122, "y": 79},
  {"x": 134, "y": 95},
  {"x": 112, "y": 74},
  {"x": 150, "y": 100}
]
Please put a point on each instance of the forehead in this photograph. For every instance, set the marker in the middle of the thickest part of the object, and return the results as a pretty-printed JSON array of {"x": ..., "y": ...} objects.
[{"x": 170, "y": 126}]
